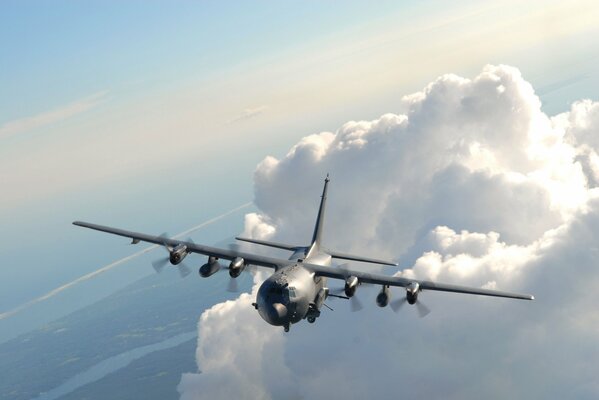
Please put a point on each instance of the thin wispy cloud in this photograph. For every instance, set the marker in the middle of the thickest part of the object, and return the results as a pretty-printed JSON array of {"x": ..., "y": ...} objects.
[
  {"x": 248, "y": 113},
  {"x": 114, "y": 264},
  {"x": 49, "y": 117}
]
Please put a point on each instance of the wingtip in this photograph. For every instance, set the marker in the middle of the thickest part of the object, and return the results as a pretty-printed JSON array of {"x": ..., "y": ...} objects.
[{"x": 531, "y": 297}]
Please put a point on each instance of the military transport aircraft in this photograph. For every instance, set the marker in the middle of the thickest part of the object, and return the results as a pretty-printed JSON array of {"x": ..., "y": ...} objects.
[{"x": 298, "y": 287}]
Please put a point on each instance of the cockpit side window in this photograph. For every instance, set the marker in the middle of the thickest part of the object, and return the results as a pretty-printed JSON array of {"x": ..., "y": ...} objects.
[{"x": 291, "y": 292}]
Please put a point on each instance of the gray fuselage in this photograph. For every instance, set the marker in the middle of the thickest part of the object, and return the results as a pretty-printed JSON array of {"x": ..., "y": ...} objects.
[{"x": 293, "y": 293}]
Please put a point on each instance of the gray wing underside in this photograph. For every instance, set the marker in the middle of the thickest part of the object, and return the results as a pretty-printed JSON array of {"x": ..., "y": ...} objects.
[
  {"x": 378, "y": 279},
  {"x": 351, "y": 257},
  {"x": 225, "y": 254},
  {"x": 268, "y": 243},
  {"x": 324, "y": 271}
]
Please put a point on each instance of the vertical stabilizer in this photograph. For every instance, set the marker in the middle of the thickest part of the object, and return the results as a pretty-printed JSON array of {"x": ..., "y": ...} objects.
[{"x": 320, "y": 219}]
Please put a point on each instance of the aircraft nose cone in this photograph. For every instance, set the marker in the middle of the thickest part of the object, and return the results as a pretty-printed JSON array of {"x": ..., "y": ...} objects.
[
  {"x": 276, "y": 314},
  {"x": 280, "y": 311}
]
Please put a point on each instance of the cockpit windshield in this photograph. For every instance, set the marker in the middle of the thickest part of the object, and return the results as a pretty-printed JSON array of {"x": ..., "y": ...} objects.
[
  {"x": 285, "y": 293},
  {"x": 276, "y": 290}
]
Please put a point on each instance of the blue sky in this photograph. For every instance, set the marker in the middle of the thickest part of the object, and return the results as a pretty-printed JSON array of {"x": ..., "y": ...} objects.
[
  {"x": 59, "y": 51},
  {"x": 153, "y": 117}
]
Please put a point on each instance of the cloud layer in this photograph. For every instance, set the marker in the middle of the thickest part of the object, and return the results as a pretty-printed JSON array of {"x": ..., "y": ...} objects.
[
  {"x": 469, "y": 182},
  {"x": 49, "y": 117}
]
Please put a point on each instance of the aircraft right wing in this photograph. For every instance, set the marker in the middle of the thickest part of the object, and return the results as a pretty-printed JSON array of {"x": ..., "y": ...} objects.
[{"x": 379, "y": 279}]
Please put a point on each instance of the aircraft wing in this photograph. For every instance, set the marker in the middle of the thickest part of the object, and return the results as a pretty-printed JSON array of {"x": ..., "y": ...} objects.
[
  {"x": 275, "y": 263},
  {"x": 226, "y": 254},
  {"x": 345, "y": 256},
  {"x": 379, "y": 279}
]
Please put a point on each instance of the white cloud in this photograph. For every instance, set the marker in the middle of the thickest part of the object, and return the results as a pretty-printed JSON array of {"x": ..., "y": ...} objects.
[
  {"x": 52, "y": 116},
  {"x": 248, "y": 362},
  {"x": 469, "y": 183},
  {"x": 257, "y": 226}
]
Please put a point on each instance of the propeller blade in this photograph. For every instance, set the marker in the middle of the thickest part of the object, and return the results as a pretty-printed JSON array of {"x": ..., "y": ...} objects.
[
  {"x": 165, "y": 235},
  {"x": 423, "y": 310},
  {"x": 232, "y": 286},
  {"x": 160, "y": 264},
  {"x": 355, "y": 304},
  {"x": 184, "y": 270},
  {"x": 396, "y": 305},
  {"x": 252, "y": 269}
]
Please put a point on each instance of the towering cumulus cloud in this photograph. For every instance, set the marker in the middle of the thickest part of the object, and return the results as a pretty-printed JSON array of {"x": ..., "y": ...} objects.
[{"x": 469, "y": 182}]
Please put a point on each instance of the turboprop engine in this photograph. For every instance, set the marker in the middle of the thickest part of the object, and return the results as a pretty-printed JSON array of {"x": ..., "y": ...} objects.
[
  {"x": 210, "y": 268},
  {"x": 382, "y": 299},
  {"x": 236, "y": 267},
  {"x": 178, "y": 254},
  {"x": 351, "y": 284},
  {"x": 412, "y": 291}
]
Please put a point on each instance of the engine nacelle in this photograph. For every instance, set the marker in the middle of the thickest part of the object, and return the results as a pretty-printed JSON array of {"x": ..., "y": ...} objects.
[
  {"x": 382, "y": 299},
  {"x": 236, "y": 267},
  {"x": 412, "y": 291},
  {"x": 210, "y": 268},
  {"x": 178, "y": 254},
  {"x": 351, "y": 284}
]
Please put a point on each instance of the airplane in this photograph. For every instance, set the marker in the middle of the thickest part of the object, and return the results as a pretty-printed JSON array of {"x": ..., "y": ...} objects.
[{"x": 298, "y": 289}]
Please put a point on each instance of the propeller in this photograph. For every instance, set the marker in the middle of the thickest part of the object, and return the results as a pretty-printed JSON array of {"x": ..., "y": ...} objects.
[
  {"x": 183, "y": 269},
  {"x": 160, "y": 263},
  {"x": 422, "y": 309},
  {"x": 355, "y": 304},
  {"x": 235, "y": 246},
  {"x": 354, "y": 301},
  {"x": 232, "y": 286},
  {"x": 397, "y": 305}
]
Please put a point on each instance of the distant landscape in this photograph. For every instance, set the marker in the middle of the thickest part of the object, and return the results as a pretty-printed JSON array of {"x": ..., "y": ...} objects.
[{"x": 149, "y": 311}]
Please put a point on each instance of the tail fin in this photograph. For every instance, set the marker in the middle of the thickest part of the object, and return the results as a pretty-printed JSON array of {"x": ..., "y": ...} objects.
[{"x": 317, "y": 236}]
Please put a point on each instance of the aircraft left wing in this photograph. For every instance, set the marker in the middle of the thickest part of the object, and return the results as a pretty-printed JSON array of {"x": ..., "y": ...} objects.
[
  {"x": 226, "y": 254},
  {"x": 379, "y": 279}
]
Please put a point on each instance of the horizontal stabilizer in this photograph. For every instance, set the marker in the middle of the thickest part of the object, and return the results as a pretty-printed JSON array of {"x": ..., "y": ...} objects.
[
  {"x": 269, "y": 244},
  {"x": 350, "y": 257}
]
